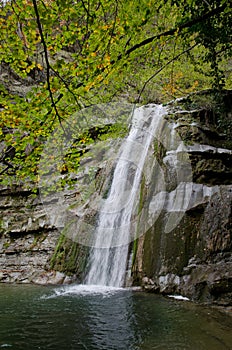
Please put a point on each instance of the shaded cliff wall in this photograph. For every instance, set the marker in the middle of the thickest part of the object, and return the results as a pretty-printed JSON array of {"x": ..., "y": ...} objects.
[
  {"x": 33, "y": 248},
  {"x": 27, "y": 240},
  {"x": 41, "y": 234},
  {"x": 195, "y": 258}
]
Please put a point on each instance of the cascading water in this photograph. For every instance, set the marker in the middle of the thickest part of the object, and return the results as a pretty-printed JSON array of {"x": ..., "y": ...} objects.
[{"x": 116, "y": 222}]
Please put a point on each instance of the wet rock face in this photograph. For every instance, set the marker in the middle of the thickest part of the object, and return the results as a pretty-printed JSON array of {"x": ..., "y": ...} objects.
[
  {"x": 212, "y": 167},
  {"x": 32, "y": 248},
  {"x": 27, "y": 239},
  {"x": 195, "y": 258}
]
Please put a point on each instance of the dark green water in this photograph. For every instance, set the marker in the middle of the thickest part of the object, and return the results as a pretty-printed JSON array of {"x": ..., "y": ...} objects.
[{"x": 34, "y": 317}]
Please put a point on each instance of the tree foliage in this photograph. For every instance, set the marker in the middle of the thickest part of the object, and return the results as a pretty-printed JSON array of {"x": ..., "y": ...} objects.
[{"x": 68, "y": 54}]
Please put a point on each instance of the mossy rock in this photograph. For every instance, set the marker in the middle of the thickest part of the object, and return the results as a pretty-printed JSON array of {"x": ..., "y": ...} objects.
[{"x": 69, "y": 257}]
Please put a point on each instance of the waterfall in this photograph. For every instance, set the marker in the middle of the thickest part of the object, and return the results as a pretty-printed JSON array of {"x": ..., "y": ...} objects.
[{"x": 117, "y": 217}]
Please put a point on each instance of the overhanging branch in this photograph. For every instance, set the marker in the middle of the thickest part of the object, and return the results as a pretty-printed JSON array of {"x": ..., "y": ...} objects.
[
  {"x": 163, "y": 67},
  {"x": 46, "y": 59},
  {"x": 172, "y": 31}
]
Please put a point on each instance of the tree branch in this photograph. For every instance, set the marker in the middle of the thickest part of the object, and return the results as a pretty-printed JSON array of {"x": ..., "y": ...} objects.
[
  {"x": 172, "y": 31},
  {"x": 46, "y": 59},
  {"x": 164, "y": 66}
]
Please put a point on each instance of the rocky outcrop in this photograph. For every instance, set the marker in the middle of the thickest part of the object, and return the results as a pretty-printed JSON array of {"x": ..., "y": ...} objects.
[
  {"x": 195, "y": 258},
  {"x": 27, "y": 239},
  {"x": 42, "y": 235}
]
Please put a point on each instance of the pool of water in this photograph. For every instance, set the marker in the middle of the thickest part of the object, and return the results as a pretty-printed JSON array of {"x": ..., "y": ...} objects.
[{"x": 95, "y": 318}]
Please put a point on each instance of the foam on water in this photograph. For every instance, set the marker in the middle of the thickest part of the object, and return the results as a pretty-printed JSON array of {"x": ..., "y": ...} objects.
[
  {"x": 82, "y": 290},
  {"x": 178, "y": 297}
]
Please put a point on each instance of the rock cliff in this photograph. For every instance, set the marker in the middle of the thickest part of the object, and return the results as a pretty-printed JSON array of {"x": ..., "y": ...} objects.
[{"x": 193, "y": 259}]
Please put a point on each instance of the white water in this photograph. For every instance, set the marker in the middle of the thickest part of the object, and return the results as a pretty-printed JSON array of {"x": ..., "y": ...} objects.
[
  {"x": 116, "y": 224},
  {"x": 83, "y": 290}
]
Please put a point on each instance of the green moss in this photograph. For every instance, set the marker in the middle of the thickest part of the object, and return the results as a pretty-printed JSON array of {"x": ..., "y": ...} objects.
[
  {"x": 57, "y": 257},
  {"x": 159, "y": 151},
  {"x": 134, "y": 252},
  {"x": 38, "y": 238},
  {"x": 142, "y": 198},
  {"x": 6, "y": 245},
  {"x": 69, "y": 257},
  {"x": 1, "y": 227},
  {"x": 114, "y": 131}
]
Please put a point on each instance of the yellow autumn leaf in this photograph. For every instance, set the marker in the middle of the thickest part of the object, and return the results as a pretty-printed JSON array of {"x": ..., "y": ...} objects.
[
  {"x": 39, "y": 66},
  {"x": 107, "y": 58},
  {"x": 88, "y": 86}
]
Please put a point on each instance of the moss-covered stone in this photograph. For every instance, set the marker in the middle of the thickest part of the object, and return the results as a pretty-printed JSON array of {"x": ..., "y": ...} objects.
[{"x": 69, "y": 257}]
